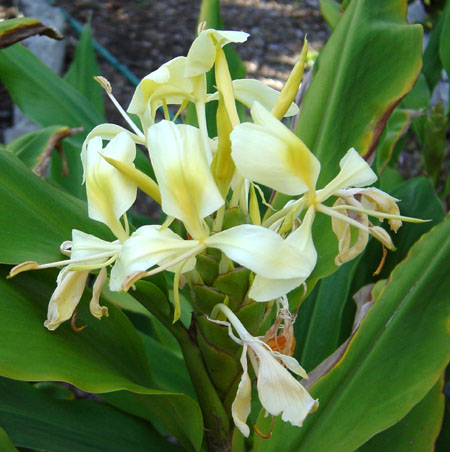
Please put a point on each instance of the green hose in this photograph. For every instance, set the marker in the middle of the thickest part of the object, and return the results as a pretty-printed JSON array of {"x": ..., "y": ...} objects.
[{"x": 111, "y": 59}]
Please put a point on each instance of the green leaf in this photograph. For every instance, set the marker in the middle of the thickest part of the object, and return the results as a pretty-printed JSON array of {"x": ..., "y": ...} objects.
[
  {"x": 15, "y": 30},
  {"x": 417, "y": 431},
  {"x": 95, "y": 360},
  {"x": 391, "y": 362},
  {"x": 443, "y": 439},
  {"x": 43, "y": 96},
  {"x": 55, "y": 390},
  {"x": 39, "y": 216},
  {"x": 170, "y": 373},
  {"x": 5, "y": 443},
  {"x": 331, "y": 12},
  {"x": 432, "y": 65},
  {"x": 84, "y": 68},
  {"x": 48, "y": 100},
  {"x": 181, "y": 416},
  {"x": 435, "y": 140},
  {"x": 396, "y": 128},
  {"x": 319, "y": 321},
  {"x": 370, "y": 62},
  {"x": 417, "y": 199},
  {"x": 108, "y": 355},
  {"x": 418, "y": 99},
  {"x": 32, "y": 147},
  {"x": 71, "y": 426}
]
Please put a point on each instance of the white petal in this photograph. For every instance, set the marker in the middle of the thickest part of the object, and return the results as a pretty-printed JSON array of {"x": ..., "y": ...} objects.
[
  {"x": 224, "y": 37},
  {"x": 188, "y": 190},
  {"x": 149, "y": 246},
  {"x": 145, "y": 89},
  {"x": 279, "y": 392},
  {"x": 292, "y": 364},
  {"x": 109, "y": 193},
  {"x": 240, "y": 409},
  {"x": 266, "y": 289},
  {"x": 86, "y": 245},
  {"x": 105, "y": 132},
  {"x": 301, "y": 239},
  {"x": 202, "y": 54},
  {"x": 248, "y": 91},
  {"x": 167, "y": 83},
  {"x": 355, "y": 172},
  {"x": 94, "y": 305},
  {"x": 66, "y": 297},
  {"x": 269, "y": 153},
  {"x": 271, "y": 287},
  {"x": 260, "y": 250}
]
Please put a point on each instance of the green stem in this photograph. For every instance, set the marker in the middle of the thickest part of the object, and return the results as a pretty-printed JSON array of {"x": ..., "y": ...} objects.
[{"x": 216, "y": 422}]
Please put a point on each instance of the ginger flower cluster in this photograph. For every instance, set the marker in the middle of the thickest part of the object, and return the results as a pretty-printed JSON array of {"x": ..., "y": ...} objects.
[{"x": 197, "y": 179}]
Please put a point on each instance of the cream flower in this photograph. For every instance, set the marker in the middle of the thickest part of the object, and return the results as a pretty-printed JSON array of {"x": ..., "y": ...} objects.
[
  {"x": 87, "y": 253},
  {"x": 278, "y": 391},
  {"x": 189, "y": 193},
  {"x": 110, "y": 194},
  {"x": 300, "y": 240},
  {"x": 269, "y": 153},
  {"x": 249, "y": 91},
  {"x": 165, "y": 86},
  {"x": 202, "y": 54}
]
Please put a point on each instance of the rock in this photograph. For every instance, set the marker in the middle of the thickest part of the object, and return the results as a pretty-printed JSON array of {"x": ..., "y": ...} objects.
[{"x": 49, "y": 51}]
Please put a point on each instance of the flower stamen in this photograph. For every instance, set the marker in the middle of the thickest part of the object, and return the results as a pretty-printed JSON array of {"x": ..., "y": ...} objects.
[{"x": 264, "y": 435}]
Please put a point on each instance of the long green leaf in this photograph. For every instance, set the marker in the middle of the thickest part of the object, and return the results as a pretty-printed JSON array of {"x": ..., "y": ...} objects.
[
  {"x": 396, "y": 128},
  {"x": 432, "y": 64},
  {"x": 443, "y": 439},
  {"x": 319, "y": 321},
  {"x": 48, "y": 100},
  {"x": 71, "y": 425},
  {"x": 393, "y": 360},
  {"x": 5, "y": 443},
  {"x": 170, "y": 373},
  {"x": 95, "y": 360},
  {"x": 417, "y": 431},
  {"x": 84, "y": 68},
  {"x": 41, "y": 94},
  {"x": 108, "y": 355},
  {"x": 37, "y": 217},
  {"x": 330, "y": 10},
  {"x": 418, "y": 99},
  {"x": 370, "y": 62}
]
